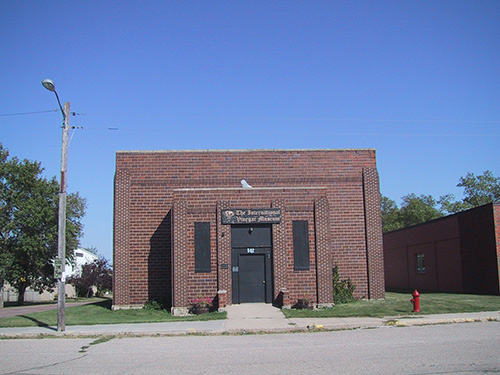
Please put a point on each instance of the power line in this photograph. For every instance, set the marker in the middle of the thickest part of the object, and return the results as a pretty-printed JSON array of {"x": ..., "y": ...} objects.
[
  {"x": 38, "y": 112},
  {"x": 27, "y": 113},
  {"x": 270, "y": 118},
  {"x": 149, "y": 130},
  {"x": 318, "y": 119}
]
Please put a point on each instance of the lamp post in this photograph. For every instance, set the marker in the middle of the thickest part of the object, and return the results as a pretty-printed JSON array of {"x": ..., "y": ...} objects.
[{"x": 61, "y": 241}]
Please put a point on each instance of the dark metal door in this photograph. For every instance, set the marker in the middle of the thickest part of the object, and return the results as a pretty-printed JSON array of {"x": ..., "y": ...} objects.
[{"x": 252, "y": 278}]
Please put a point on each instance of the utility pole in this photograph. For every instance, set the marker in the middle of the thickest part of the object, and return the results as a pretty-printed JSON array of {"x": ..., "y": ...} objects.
[
  {"x": 61, "y": 242},
  {"x": 60, "y": 261}
]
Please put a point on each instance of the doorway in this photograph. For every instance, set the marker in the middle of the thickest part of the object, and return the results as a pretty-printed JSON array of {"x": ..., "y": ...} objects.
[{"x": 251, "y": 257}]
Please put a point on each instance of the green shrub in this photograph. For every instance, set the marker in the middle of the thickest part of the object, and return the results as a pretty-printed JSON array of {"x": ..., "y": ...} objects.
[
  {"x": 153, "y": 305},
  {"x": 343, "y": 290}
]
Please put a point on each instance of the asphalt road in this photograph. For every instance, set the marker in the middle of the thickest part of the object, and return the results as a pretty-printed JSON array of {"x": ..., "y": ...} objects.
[{"x": 470, "y": 348}]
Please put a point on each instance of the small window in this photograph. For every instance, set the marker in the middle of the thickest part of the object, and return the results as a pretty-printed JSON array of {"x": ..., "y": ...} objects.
[
  {"x": 420, "y": 262},
  {"x": 79, "y": 254},
  {"x": 300, "y": 245},
  {"x": 202, "y": 247}
]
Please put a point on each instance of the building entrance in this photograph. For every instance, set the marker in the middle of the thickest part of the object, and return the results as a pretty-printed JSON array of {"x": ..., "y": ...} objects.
[{"x": 252, "y": 279}]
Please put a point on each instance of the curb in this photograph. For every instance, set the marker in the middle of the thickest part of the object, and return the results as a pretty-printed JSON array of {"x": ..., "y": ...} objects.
[
  {"x": 242, "y": 326},
  {"x": 385, "y": 323},
  {"x": 405, "y": 323}
]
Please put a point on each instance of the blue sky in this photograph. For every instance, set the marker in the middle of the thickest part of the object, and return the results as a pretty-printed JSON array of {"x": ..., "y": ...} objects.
[{"x": 419, "y": 81}]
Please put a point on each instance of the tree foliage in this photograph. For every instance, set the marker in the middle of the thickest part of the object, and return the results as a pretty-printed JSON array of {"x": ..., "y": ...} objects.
[
  {"x": 97, "y": 274},
  {"x": 28, "y": 224},
  {"x": 414, "y": 210},
  {"x": 478, "y": 190},
  {"x": 390, "y": 215}
]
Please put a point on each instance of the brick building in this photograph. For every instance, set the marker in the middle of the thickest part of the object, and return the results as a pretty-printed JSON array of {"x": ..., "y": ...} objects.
[
  {"x": 457, "y": 253},
  {"x": 186, "y": 225}
]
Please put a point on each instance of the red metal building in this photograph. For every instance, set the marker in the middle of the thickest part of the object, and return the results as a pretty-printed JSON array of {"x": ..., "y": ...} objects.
[
  {"x": 186, "y": 225},
  {"x": 457, "y": 253}
]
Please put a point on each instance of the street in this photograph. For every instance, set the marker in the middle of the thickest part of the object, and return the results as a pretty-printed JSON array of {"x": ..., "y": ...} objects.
[{"x": 471, "y": 348}]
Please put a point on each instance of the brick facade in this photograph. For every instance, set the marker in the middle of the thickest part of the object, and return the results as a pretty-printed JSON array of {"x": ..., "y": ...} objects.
[{"x": 159, "y": 196}]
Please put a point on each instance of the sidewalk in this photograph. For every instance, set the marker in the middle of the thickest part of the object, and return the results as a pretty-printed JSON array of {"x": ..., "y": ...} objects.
[{"x": 250, "y": 318}]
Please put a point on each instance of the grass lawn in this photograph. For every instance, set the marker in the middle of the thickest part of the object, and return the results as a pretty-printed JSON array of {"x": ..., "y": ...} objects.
[
  {"x": 395, "y": 304},
  {"x": 100, "y": 313},
  {"x": 398, "y": 303}
]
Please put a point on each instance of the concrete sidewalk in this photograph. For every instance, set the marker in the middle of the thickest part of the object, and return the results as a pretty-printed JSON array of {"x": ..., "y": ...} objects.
[{"x": 251, "y": 318}]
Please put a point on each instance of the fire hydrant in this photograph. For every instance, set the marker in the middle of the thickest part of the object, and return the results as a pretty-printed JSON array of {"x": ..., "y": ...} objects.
[{"x": 416, "y": 301}]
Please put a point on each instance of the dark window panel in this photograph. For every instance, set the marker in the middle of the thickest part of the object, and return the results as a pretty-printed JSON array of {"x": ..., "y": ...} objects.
[
  {"x": 300, "y": 245},
  {"x": 202, "y": 247}
]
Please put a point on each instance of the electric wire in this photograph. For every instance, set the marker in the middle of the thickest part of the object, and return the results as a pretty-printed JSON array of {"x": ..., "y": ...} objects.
[
  {"x": 319, "y": 119},
  {"x": 38, "y": 112},
  {"x": 268, "y": 118},
  {"x": 264, "y": 118},
  {"x": 27, "y": 113}
]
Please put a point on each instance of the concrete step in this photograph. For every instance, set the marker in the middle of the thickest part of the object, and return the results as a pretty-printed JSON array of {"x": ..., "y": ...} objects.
[{"x": 255, "y": 317}]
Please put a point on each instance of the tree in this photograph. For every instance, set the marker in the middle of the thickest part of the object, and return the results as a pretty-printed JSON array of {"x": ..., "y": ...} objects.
[
  {"x": 28, "y": 224},
  {"x": 450, "y": 206},
  {"x": 414, "y": 210},
  {"x": 390, "y": 215},
  {"x": 96, "y": 274},
  {"x": 479, "y": 190}
]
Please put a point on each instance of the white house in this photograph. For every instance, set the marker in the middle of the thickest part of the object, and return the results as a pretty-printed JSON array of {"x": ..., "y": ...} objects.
[{"x": 81, "y": 256}]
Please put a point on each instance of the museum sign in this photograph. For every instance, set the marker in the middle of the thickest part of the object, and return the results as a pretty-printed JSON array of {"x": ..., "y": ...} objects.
[{"x": 251, "y": 216}]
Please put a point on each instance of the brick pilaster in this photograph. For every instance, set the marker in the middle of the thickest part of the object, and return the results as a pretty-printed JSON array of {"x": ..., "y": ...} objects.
[
  {"x": 279, "y": 250},
  {"x": 224, "y": 253},
  {"x": 323, "y": 256},
  {"x": 373, "y": 229},
  {"x": 121, "y": 251},
  {"x": 179, "y": 254}
]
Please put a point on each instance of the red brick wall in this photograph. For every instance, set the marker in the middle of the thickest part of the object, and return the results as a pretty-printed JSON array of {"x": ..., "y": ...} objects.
[
  {"x": 144, "y": 192},
  {"x": 298, "y": 204}
]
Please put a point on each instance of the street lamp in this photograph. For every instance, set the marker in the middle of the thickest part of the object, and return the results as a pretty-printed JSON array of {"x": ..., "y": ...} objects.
[{"x": 61, "y": 241}]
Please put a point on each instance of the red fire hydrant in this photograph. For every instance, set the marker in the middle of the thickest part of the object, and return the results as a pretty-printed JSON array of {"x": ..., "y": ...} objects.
[{"x": 416, "y": 301}]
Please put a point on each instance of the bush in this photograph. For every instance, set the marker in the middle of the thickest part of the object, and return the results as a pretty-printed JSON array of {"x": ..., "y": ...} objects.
[
  {"x": 153, "y": 305},
  {"x": 96, "y": 274},
  {"x": 343, "y": 291}
]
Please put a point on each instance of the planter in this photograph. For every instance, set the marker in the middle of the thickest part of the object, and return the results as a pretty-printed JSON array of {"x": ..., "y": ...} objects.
[
  {"x": 197, "y": 310},
  {"x": 304, "y": 304}
]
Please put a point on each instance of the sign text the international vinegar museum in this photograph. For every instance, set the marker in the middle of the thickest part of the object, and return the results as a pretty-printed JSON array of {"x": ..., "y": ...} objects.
[{"x": 251, "y": 216}]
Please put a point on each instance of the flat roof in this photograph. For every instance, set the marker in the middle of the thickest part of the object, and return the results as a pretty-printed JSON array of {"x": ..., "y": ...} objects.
[{"x": 246, "y": 150}]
